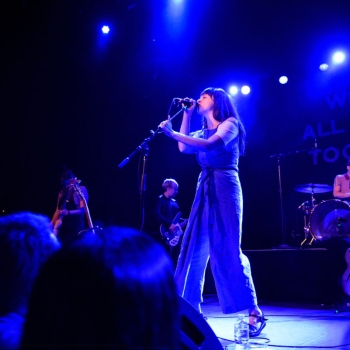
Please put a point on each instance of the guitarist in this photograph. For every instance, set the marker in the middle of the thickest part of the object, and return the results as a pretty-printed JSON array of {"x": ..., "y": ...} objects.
[
  {"x": 166, "y": 210},
  {"x": 68, "y": 219}
]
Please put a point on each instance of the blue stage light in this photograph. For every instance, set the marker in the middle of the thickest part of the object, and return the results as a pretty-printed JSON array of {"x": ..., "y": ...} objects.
[
  {"x": 245, "y": 90},
  {"x": 323, "y": 67},
  {"x": 338, "y": 57},
  {"x": 105, "y": 29},
  {"x": 283, "y": 79},
  {"x": 233, "y": 90}
]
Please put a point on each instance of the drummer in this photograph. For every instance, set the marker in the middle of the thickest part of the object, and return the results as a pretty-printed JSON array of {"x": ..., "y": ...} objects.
[{"x": 341, "y": 187}]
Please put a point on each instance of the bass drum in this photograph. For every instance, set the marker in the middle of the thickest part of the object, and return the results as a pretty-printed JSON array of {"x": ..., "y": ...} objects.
[{"x": 330, "y": 218}]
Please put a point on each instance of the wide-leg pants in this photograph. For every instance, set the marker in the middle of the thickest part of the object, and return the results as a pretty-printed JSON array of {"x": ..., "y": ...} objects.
[{"x": 214, "y": 230}]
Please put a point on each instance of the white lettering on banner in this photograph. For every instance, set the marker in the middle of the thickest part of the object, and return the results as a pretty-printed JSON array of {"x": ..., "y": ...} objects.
[
  {"x": 337, "y": 100},
  {"x": 322, "y": 130},
  {"x": 322, "y": 133},
  {"x": 331, "y": 154},
  {"x": 309, "y": 132}
]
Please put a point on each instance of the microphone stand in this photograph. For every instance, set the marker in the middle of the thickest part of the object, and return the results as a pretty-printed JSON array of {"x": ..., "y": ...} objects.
[
  {"x": 283, "y": 245},
  {"x": 144, "y": 149}
]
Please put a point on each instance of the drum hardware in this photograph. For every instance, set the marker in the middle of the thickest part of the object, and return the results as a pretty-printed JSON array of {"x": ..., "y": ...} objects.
[
  {"x": 330, "y": 218},
  {"x": 308, "y": 208},
  {"x": 283, "y": 245},
  {"x": 313, "y": 188},
  {"x": 308, "y": 235}
]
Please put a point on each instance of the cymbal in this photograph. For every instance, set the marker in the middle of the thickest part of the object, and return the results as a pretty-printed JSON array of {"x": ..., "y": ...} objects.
[{"x": 313, "y": 188}]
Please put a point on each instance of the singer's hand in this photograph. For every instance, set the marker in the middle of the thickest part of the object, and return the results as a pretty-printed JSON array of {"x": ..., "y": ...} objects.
[
  {"x": 166, "y": 126},
  {"x": 189, "y": 110}
]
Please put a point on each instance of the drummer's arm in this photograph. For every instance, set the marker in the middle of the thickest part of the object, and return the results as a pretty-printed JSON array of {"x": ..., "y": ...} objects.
[{"x": 338, "y": 194}]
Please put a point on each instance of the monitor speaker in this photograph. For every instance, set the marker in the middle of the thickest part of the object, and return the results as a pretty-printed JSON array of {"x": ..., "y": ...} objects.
[{"x": 195, "y": 332}]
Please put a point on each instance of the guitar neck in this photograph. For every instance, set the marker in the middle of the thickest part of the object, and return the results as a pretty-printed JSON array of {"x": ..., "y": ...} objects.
[
  {"x": 87, "y": 213},
  {"x": 81, "y": 196}
]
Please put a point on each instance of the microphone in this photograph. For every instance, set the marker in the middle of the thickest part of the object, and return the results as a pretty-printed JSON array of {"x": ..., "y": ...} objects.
[
  {"x": 315, "y": 143},
  {"x": 186, "y": 103}
]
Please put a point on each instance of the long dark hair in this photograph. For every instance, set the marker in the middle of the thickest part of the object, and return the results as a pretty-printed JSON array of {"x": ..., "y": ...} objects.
[
  {"x": 224, "y": 108},
  {"x": 111, "y": 290}
]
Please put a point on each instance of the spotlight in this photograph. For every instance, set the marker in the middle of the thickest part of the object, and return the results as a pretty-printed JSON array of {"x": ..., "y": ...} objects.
[
  {"x": 233, "y": 90},
  {"x": 338, "y": 57},
  {"x": 105, "y": 29},
  {"x": 245, "y": 90},
  {"x": 323, "y": 67},
  {"x": 283, "y": 79}
]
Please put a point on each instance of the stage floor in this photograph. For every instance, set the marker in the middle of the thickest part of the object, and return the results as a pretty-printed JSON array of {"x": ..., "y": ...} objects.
[{"x": 288, "y": 326}]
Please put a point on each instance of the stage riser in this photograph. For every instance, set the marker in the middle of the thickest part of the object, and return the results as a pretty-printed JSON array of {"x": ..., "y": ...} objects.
[{"x": 307, "y": 276}]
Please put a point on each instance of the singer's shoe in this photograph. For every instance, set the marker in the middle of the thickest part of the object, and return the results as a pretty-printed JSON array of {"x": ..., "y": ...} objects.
[{"x": 255, "y": 330}]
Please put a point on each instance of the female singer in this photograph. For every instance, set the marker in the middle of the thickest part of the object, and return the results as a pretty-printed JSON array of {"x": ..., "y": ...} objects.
[{"x": 215, "y": 224}]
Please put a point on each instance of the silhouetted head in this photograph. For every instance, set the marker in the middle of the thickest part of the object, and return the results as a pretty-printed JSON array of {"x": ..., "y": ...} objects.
[
  {"x": 111, "y": 290},
  {"x": 66, "y": 175},
  {"x": 26, "y": 242}
]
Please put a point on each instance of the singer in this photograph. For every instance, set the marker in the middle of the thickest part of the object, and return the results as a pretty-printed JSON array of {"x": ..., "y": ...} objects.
[{"x": 214, "y": 227}]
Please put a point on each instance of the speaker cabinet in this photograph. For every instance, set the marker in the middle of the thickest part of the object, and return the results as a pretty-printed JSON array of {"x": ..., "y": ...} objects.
[{"x": 195, "y": 332}]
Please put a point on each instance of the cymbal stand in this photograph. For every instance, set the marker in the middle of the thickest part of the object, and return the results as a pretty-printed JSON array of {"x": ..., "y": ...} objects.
[
  {"x": 307, "y": 214},
  {"x": 283, "y": 245},
  {"x": 283, "y": 222}
]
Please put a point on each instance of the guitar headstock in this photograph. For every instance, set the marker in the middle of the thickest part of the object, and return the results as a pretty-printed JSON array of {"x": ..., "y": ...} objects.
[{"x": 75, "y": 185}]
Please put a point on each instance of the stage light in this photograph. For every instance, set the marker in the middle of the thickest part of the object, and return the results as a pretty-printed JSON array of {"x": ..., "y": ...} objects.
[
  {"x": 105, "y": 29},
  {"x": 338, "y": 57},
  {"x": 233, "y": 90},
  {"x": 283, "y": 79},
  {"x": 323, "y": 67},
  {"x": 245, "y": 90}
]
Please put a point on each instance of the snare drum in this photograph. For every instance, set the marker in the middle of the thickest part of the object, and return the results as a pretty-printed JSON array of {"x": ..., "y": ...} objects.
[{"x": 330, "y": 218}]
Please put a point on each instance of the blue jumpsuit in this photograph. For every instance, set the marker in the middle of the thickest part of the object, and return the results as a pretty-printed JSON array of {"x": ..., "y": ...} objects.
[{"x": 214, "y": 230}]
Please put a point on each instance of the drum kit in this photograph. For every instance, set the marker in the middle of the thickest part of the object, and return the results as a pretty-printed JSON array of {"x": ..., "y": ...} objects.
[{"x": 330, "y": 218}]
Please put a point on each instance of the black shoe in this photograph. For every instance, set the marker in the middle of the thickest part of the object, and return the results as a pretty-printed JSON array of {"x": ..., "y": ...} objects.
[{"x": 255, "y": 330}]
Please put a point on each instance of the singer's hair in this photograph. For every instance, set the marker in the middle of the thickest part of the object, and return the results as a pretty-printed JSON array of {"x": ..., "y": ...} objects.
[
  {"x": 348, "y": 162},
  {"x": 224, "y": 108},
  {"x": 168, "y": 183}
]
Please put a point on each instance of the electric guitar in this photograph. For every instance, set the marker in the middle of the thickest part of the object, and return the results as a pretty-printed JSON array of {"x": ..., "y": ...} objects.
[
  {"x": 346, "y": 276},
  {"x": 75, "y": 185},
  {"x": 172, "y": 238},
  {"x": 58, "y": 222}
]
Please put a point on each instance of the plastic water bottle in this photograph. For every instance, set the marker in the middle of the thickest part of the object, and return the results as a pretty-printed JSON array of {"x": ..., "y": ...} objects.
[{"x": 241, "y": 330}]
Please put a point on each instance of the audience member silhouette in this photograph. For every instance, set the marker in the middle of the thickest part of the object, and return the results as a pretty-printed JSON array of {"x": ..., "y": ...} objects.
[
  {"x": 26, "y": 241},
  {"x": 110, "y": 290}
]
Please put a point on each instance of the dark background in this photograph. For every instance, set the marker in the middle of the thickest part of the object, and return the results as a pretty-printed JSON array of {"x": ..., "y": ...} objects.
[{"x": 71, "y": 96}]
